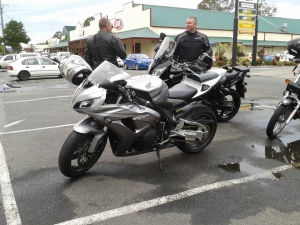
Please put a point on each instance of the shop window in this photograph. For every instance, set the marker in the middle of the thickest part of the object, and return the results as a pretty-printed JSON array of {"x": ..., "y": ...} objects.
[{"x": 137, "y": 47}]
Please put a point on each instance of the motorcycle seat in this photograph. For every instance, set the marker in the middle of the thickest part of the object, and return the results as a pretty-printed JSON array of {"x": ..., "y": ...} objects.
[
  {"x": 182, "y": 91},
  {"x": 241, "y": 68},
  {"x": 231, "y": 75},
  {"x": 204, "y": 76}
]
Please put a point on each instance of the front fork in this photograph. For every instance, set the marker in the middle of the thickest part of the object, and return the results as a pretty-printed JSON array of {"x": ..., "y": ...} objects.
[{"x": 288, "y": 101}]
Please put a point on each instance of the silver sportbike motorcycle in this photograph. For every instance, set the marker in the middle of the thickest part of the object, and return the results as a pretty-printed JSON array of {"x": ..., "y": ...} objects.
[{"x": 133, "y": 113}]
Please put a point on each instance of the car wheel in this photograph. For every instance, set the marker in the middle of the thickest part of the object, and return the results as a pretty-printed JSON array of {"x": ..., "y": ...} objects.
[
  {"x": 24, "y": 75},
  {"x": 136, "y": 67}
]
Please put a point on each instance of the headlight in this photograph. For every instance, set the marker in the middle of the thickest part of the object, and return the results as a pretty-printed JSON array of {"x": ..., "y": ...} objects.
[
  {"x": 140, "y": 62},
  {"x": 86, "y": 104},
  {"x": 286, "y": 101}
]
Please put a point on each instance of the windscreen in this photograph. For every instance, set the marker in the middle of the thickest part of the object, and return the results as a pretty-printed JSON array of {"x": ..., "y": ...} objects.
[{"x": 105, "y": 70}]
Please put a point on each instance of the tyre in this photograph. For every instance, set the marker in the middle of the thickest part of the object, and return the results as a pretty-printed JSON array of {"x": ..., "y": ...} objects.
[
  {"x": 207, "y": 118},
  {"x": 278, "y": 119},
  {"x": 136, "y": 67},
  {"x": 232, "y": 100},
  {"x": 74, "y": 158},
  {"x": 24, "y": 75}
]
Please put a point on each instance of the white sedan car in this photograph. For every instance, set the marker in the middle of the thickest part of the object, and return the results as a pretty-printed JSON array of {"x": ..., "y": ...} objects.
[{"x": 24, "y": 68}]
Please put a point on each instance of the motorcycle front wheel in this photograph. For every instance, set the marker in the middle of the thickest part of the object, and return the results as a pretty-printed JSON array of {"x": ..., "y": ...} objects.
[
  {"x": 229, "y": 109},
  {"x": 74, "y": 158},
  {"x": 277, "y": 121},
  {"x": 207, "y": 118}
]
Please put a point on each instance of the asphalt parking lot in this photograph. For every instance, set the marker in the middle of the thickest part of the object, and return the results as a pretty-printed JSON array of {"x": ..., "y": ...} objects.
[{"x": 234, "y": 181}]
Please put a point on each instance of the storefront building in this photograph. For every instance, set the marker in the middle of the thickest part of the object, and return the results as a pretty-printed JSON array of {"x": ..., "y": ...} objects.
[
  {"x": 138, "y": 26},
  {"x": 62, "y": 45}
]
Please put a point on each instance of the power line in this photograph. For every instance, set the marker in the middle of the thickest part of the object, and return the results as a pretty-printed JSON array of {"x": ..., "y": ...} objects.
[{"x": 28, "y": 29}]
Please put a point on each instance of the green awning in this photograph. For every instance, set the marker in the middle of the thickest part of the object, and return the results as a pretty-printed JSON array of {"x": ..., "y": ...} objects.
[
  {"x": 264, "y": 43},
  {"x": 138, "y": 33}
]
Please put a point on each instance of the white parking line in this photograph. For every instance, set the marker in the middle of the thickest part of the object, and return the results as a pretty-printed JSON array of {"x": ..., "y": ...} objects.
[
  {"x": 14, "y": 123},
  {"x": 167, "y": 199},
  {"x": 42, "y": 128},
  {"x": 9, "y": 202},
  {"x": 37, "y": 99}
]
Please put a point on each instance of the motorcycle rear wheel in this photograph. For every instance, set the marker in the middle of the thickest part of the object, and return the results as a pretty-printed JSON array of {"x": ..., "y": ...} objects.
[
  {"x": 277, "y": 121},
  {"x": 207, "y": 118},
  {"x": 232, "y": 99},
  {"x": 74, "y": 158}
]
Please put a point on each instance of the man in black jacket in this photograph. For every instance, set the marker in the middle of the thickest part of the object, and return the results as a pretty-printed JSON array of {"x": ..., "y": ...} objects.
[
  {"x": 104, "y": 46},
  {"x": 191, "y": 44}
]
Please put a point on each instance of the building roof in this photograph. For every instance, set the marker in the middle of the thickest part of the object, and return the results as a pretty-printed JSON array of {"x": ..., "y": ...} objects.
[
  {"x": 164, "y": 16},
  {"x": 70, "y": 28},
  {"x": 138, "y": 33}
]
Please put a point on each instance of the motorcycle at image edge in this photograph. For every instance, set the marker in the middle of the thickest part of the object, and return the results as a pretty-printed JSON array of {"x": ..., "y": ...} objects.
[
  {"x": 133, "y": 113},
  {"x": 289, "y": 107},
  {"x": 286, "y": 110},
  {"x": 216, "y": 86}
]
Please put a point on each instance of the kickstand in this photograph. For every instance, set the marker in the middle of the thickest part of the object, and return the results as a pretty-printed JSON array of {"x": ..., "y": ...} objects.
[{"x": 159, "y": 160}]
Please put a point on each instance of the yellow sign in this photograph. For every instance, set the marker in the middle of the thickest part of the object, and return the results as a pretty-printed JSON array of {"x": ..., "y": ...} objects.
[
  {"x": 249, "y": 32},
  {"x": 247, "y": 12},
  {"x": 247, "y": 24}
]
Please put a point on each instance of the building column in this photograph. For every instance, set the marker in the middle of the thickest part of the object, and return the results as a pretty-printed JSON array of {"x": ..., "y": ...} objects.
[{"x": 81, "y": 49}]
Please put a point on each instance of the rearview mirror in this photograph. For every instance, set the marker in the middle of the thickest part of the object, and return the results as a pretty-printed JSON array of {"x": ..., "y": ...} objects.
[
  {"x": 162, "y": 36},
  {"x": 106, "y": 84}
]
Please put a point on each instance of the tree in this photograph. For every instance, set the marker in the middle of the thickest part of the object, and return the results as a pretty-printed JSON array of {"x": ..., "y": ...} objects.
[
  {"x": 87, "y": 21},
  {"x": 265, "y": 7},
  {"x": 57, "y": 35},
  {"x": 217, "y": 5},
  {"x": 14, "y": 35}
]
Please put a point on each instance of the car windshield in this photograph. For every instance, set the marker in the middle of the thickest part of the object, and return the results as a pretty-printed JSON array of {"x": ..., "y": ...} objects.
[
  {"x": 142, "y": 56},
  {"x": 106, "y": 70}
]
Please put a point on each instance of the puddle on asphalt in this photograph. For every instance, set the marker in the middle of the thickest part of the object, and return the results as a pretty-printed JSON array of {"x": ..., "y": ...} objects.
[
  {"x": 8, "y": 88},
  {"x": 285, "y": 150},
  {"x": 243, "y": 167}
]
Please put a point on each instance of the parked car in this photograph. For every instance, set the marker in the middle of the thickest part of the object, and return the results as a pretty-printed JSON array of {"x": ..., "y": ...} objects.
[
  {"x": 60, "y": 55},
  {"x": 246, "y": 57},
  {"x": 287, "y": 58},
  {"x": 286, "y": 55},
  {"x": 24, "y": 68},
  {"x": 120, "y": 62},
  {"x": 137, "y": 61},
  {"x": 53, "y": 55},
  {"x": 269, "y": 57},
  {"x": 7, "y": 59}
]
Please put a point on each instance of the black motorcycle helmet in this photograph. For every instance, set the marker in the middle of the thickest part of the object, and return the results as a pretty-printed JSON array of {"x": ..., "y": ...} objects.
[{"x": 205, "y": 61}]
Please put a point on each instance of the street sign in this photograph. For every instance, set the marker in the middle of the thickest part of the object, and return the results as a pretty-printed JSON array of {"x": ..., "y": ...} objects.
[
  {"x": 247, "y": 12},
  {"x": 246, "y": 24},
  {"x": 248, "y": 32},
  {"x": 247, "y": 18},
  {"x": 249, "y": 1},
  {"x": 247, "y": 5}
]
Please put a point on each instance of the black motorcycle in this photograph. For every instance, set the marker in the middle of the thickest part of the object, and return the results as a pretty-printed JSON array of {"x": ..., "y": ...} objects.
[{"x": 221, "y": 97}]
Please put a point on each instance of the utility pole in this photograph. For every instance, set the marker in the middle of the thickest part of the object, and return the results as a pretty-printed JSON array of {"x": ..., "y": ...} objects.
[{"x": 1, "y": 12}]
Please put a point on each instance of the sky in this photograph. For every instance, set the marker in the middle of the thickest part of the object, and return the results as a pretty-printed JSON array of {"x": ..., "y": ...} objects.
[{"x": 42, "y": 18}]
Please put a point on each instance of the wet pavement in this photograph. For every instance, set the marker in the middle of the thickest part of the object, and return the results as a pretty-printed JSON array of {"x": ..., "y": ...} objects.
[{"x": 239, "y": 151}]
